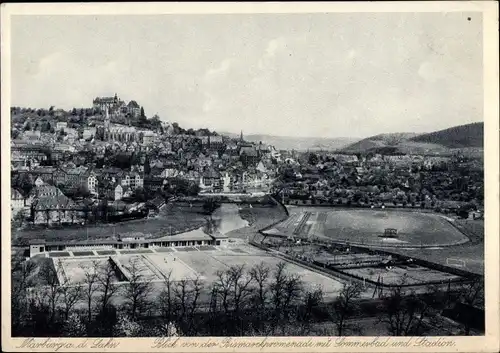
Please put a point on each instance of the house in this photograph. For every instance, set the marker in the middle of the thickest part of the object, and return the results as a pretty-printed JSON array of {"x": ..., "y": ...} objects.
[
  {"x": 42, "y": 190},
  {"x": 32, "y": 135},
  {"x": 226, "y": 182},
  {"x": 148, "y": 138},
  {"x": 249, "y": 155},
  {"x": 115, "y": 193},
  {"x": 62, "y": 147},
  {"x": 27, "y": 153},
  {"x": 156, "y": 204},
  {"x": 133, "y": 109},
  {"x": 89, "y": 132},
  {"x": 45, "y": 174},
  {"x": 170, "y": 172},
  {"x": 92, "y": 182},
  {"x": 153, "y": 183},
  {"x": 261, "y": 167},
  {"x": 58, "y": 113},
  {"x": 61, "y": 125},
  {"x": 16, "y": 202},
  {"x": 136, "y": 180},
  {"x": 210, "y": 179},
  {"x": 205, "y": 141},
  {"x": 71, "y": 179},
  {"x": 215, "y": 142},
  {"x": 127, "y": 192},
  {"x": 49, "y": 205}
]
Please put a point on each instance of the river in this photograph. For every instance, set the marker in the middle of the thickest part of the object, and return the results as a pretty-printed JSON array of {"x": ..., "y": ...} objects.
[{"x": 227, "y": 218}]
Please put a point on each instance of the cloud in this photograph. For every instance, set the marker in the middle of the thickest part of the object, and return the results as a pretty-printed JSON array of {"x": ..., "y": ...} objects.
[
  {"x": 219, "y": 70},
  {"x": 429, "y": 72},
  {"x": 274, "y": 47},
  {"x": 318, "y": 75}
]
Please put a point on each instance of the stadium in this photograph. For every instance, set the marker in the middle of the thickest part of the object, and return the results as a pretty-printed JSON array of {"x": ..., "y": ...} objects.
[{"x": 376, "y": 228}]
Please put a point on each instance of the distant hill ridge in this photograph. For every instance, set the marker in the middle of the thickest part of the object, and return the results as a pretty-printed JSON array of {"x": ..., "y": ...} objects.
[
  {"x": 470, "y": 135},
  {"x": 443, "y": 141},
  {"x": 297, "y": 143}
]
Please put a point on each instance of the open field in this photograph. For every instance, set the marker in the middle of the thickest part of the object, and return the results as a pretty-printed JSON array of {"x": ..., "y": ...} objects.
[
  {"x": 414, "y": 275},
  {"x": 157, "y": 267},
  {"x": 472, "y": 255},
  {"x": 208, "y": 263},
  {"x": 359, "y": 226}
]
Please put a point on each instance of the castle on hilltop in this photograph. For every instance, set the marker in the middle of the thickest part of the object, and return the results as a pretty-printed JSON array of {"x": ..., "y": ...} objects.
[{"x": 116, "y": 106}]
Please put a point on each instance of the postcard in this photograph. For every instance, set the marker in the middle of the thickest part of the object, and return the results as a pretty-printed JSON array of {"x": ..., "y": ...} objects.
[{"x": 250, "y": 177}]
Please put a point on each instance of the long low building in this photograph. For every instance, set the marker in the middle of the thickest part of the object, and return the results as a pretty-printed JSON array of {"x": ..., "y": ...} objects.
[{"x": 193, "y": 238}]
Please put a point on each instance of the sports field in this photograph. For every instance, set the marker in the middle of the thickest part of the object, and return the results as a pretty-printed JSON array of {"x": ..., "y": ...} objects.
[
  {"x": 73, "y": 269},
  {"x": 366, "y": 226},
  {"x": 207, "y": 263},
  {"x": 393, "y": 276}
]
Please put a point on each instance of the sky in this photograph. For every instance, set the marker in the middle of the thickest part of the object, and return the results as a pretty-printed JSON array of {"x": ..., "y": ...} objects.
[{"x": 302, "y": 75}]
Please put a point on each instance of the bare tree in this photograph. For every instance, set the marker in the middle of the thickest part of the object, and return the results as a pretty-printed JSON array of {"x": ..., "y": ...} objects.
[
  {"x": 240, "y": 291},
  {"x": 51, "y": 285},
  {"x": 187, "y": 293},
  {"x": 240, "y": 283},
  {"x": 107, "y": 283},
  {"x": 166, "y": 297},
  {"x": 22, "y": 280},
  {"x": 223, "y": 287},
  {"x": 90, "y": 286},
  {"x": 345, "y": 304},
  {"x": 260, "y": 274},
  {"x": 292, "y": 291},
  {"x": 137, "y": 291},
  {"x": 291, "y": 294},
  {"x": 312, "y": 301},
  {"x": 404, "y": 313},
  {"x": 277, "y": 290},
  {"x": 213, "y": 323},
  {"x": 278, "y": 285},
  {"x": 195, "y": 291},
  {"x": 472, "y": 295},
  {"x": 70, "y": 295}
]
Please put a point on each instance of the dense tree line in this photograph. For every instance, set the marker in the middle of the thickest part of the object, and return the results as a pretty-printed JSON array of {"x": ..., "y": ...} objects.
[{"x": 259, "y": 300}]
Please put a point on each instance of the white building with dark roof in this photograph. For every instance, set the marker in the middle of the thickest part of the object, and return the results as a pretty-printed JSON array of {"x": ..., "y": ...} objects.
[{"x": 17, "y": 202}]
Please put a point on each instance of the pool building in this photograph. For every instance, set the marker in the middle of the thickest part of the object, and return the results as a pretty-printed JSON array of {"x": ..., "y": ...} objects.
[{"x": 126, "y": 242}]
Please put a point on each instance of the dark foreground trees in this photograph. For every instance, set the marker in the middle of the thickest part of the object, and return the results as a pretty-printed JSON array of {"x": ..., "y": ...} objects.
[
  {"x": 259, "y": 300},
  {"x": 345, "y": 306}
]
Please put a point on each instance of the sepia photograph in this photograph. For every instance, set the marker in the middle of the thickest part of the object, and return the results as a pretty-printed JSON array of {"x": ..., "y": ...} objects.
[{"x": 247, "y": 174}]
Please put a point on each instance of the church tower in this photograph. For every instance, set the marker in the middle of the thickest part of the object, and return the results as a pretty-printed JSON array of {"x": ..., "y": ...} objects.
[
  {"x": 106, "y": 120},
  {"x": 241, "y": 136}
]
